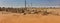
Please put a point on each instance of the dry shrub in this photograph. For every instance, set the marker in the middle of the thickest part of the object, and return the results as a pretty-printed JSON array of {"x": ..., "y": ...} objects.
[
  {"x": 45, "y": 13},
  {"x": 16, "y": 15},
  {"x": 55, "y": 13},
  {"x": 5, "y": 12}
]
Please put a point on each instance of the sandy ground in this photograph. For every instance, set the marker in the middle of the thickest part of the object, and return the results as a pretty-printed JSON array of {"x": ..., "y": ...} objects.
[{"x": 32, "y": 18}]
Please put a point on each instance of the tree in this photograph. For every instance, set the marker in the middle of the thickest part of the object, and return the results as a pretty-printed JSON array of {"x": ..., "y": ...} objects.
[{"x": 0, "y": 9}]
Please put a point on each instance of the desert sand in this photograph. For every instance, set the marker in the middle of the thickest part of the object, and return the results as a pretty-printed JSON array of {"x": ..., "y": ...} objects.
[{"x": 7, "y": 17}]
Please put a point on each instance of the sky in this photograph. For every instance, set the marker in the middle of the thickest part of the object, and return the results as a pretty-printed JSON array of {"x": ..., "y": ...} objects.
[{"x": 20, "y": 3}]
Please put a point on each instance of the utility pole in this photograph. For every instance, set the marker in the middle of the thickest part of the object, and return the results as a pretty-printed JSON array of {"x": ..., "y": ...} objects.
[
  {"x": 25, "y": 3},
  {"x": 31, "y": 4}
]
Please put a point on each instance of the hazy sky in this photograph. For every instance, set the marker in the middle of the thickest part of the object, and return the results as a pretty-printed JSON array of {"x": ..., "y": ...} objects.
[{"x": 18, "y": 3}]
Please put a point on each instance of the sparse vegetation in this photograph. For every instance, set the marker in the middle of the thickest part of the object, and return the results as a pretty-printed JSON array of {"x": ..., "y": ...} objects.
[{"x": 27, "y": 10}]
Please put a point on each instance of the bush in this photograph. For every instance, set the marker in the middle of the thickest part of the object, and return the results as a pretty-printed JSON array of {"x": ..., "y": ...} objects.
[
  {"x": 45, "y": 13},
  {"x": 0, "y": 9}
]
